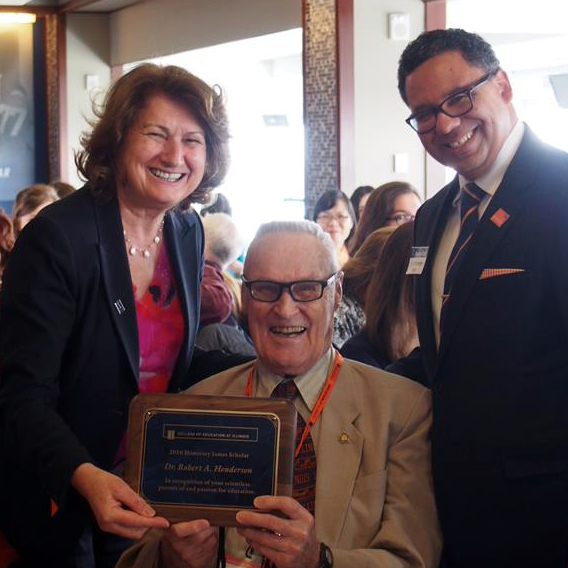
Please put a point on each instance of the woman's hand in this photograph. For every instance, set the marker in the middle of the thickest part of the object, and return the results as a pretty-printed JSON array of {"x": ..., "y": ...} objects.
[
  {"x": 192, "y": 544},
  {"x": 117, "y": 508}
]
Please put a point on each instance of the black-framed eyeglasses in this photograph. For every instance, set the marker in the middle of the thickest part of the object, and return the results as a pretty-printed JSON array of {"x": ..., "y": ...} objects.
[
  {"x": 401, "y": 218},
  {"x": 300, "y": 291},
  {"x": 455, "y": 105}
]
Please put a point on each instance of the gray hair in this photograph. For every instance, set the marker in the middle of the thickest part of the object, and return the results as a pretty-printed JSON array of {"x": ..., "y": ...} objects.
[
  {"x": 223, "y": 244},
  {"x": 302, "y": 227}
]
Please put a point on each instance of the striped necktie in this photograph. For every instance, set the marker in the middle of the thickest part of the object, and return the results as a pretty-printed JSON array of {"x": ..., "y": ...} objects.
[
  {"x": 304, "y": 490},
  {"x": 470, "y": 198}
]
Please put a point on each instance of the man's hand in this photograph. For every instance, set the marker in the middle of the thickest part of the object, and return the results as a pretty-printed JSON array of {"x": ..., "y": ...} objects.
[
  {"x": 289, "y": 542},
  {"x": 117, "y": 508},
  {"x": 192, "y": 544}
]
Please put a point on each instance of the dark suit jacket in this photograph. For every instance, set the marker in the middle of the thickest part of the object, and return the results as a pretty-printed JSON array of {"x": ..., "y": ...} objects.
[
  {"x": 359, "y": 348},
  {"x": 69, "y": 354},
  {"x": 500, "y": 376}
]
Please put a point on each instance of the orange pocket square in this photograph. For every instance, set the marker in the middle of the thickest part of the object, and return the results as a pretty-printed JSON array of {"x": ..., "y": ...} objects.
[{"x": 492, "y": 272}]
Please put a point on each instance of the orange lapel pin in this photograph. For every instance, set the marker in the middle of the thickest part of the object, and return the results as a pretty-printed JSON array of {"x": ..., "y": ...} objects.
[{"x": 499, "y": 218}]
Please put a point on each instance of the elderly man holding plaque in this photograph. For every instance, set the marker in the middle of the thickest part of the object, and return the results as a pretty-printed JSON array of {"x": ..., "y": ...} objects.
[{"x": 362, "y": 491}]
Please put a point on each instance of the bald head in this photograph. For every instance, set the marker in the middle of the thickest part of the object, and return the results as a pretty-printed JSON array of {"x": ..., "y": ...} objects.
[
  {"x": 320, "y": 242},
  {"x": 290, "y": 336}
]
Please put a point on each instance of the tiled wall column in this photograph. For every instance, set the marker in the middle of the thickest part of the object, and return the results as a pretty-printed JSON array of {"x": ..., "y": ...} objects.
[
  {"x": 56, "y": 92},
  {"x": 320, "y": 99},
  {"x": 328, "y": 97}
]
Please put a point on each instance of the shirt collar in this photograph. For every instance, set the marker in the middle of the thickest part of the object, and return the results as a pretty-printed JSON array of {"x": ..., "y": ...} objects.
[
  {"x": 309, "y": 384},
  {"x": 490, "y": 181}
]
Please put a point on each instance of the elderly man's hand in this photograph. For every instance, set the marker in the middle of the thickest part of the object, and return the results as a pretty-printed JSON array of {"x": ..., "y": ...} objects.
[
  {"x": 192, "y": 544},
  {"x": 296, "y": 547}
]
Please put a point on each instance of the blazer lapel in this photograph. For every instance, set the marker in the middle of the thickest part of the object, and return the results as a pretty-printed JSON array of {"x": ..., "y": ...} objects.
[
  {"x": 339, "y": 453},
  {"x": 510, "y": 198},
  {"x": 117, "y": 279},
  {"x": 430, "y": 235},
  {"x": 180, "y": 230}
]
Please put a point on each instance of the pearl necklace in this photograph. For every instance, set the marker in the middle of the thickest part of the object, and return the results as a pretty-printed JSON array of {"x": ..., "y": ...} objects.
[{"x": 145, "y": 252}]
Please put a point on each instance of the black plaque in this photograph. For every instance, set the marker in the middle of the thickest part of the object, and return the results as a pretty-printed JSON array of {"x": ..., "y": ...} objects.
[{"x": 194, "y": 456}]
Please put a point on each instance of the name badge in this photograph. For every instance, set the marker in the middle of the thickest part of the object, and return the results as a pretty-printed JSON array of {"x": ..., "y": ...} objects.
[{"x": 417, "y": 260}]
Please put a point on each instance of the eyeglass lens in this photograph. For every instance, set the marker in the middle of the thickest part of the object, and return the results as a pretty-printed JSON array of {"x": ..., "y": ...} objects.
[
  {"x": 456, "y": 105},
  {"x": 300, "y": 291},
  {"x": 327, "y": 218}
]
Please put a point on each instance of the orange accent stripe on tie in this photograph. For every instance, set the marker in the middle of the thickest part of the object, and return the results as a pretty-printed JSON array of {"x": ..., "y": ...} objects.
[
  {"x": 469, "y": 192},
  {"x": 458, "y": 253},
  {"x": 467, "y": 214}
]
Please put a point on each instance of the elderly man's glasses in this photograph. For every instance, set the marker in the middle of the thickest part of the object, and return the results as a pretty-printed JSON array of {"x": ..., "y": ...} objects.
[
  {"x": 455, "y": 105},
  {"x": 301, "y": 291}
]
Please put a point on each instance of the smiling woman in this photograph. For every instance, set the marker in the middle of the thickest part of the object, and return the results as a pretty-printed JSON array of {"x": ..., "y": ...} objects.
[
  {"x": 103, "y": 288},
  {"x": 334, "y": 213}
]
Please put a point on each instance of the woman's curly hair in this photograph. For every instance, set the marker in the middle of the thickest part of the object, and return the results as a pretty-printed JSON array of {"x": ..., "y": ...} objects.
[{"x": 97, "y": 161}]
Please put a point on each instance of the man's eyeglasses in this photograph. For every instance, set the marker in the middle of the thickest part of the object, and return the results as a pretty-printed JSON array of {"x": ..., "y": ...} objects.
[
  {"x": 455, "y": 105},
  {"x": 301, "y": 291},
  {"x": 401, "y": 218}
]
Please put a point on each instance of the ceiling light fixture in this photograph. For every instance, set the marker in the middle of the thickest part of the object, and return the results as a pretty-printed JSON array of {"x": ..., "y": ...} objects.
[{"x": 17, "y": 18}]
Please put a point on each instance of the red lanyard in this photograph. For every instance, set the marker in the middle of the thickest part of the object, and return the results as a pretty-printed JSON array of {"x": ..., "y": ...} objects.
[{"x": 318, "y": 408}]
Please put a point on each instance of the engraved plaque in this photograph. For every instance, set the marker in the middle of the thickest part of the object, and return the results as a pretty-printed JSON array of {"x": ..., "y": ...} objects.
[{"x": 195, "y": 456}]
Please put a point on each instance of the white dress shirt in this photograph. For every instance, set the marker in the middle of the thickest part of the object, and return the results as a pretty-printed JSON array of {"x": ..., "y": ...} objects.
[{"x": 489, "y": 183}]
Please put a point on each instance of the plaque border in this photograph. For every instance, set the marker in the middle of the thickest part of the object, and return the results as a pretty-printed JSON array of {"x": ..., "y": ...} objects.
[
  {"x": 145, "y": 405},
  {"x": 154, "y": 411}
]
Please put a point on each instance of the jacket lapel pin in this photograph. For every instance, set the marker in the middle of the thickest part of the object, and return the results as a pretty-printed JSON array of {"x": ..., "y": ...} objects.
[
  {"x": 344, "y": 438},
  {"x": 119, "y": 306},
  {"x": 499, "y": 218}
]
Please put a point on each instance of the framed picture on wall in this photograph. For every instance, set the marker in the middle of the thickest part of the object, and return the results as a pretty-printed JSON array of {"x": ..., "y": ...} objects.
[{"x": 29, "y": 105}]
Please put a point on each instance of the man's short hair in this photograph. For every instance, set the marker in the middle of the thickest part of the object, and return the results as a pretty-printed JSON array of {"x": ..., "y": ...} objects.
[
  {"x": 222, "y": 240},
  {"x": 473, "y": 48},
  {"x": 302, "y": 227}
]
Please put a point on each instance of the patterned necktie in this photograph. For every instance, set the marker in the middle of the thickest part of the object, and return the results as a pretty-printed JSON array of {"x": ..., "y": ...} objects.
[
  {"x": 471, "y": 196},
  {"x": 304, "y": 490}
]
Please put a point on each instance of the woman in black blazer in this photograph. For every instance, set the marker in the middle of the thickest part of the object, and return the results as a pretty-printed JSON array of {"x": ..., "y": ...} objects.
[{"x": 100, "y": 301}]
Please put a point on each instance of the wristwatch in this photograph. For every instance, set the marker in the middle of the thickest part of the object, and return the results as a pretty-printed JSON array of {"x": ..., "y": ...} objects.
[{"x": 326, "y": 556}]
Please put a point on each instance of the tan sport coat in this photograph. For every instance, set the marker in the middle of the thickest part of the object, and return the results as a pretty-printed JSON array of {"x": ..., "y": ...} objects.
[{"x": 374, "y": 496}]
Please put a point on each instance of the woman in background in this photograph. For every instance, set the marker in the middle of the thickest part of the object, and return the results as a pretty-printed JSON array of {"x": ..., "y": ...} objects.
[
  {"x": 100, "y": 302},
  {"x": 349, "y": 317},
  {"x": 63, "y": 188},
  {"x": 334, "y": 213},
  {"x": 390, "y": 205},
  {"x": 29, "y": 202},
  {"x": 390, "y": 332},
  {"x": 6, "y": 240},
  {"x": 359, "y": 199}
]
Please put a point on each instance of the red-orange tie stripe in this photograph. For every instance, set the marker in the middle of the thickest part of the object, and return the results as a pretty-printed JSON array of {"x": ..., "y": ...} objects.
[{"x": 470, "y": 198}]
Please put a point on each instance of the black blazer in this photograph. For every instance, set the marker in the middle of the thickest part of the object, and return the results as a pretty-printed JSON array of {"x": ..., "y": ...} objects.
[
  {"x": 359, "y": 348},
  {"x": 500, "y": 376},
  {"x": 69, "y": 353}
]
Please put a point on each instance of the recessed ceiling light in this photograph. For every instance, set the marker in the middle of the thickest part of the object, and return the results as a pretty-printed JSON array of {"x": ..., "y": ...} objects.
[{"x": 17, "y": 18}]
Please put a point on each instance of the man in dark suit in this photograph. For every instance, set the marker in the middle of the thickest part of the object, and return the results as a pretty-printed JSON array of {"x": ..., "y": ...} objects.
[{"x": 492, "y": 310}]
